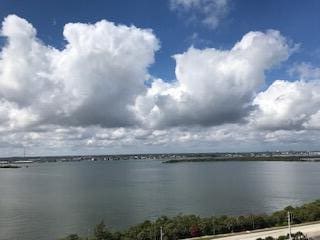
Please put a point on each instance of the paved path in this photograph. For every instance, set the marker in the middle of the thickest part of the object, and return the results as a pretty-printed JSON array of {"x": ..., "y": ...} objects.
[{"x": 312, "y": 230}]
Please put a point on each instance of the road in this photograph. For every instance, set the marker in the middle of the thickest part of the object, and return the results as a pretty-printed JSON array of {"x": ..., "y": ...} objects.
[{"x": 312, "y": 230}]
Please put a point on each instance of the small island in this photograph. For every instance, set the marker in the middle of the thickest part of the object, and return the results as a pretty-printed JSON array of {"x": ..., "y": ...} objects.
[
  {"x": 9, "y": 166},
  {"x": 245, "y": 157}
]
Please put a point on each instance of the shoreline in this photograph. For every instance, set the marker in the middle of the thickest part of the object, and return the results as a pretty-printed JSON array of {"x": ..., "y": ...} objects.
[
  {"x": 10, "y": 166},
  {"x": 246, "y": 159}
]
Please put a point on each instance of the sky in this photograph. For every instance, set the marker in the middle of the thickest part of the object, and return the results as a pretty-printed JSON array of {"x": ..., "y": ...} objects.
[{"x": 112, "y": 77}]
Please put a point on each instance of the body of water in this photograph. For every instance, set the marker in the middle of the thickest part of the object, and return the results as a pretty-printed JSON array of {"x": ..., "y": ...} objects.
[{"x": 50, "y": 200}]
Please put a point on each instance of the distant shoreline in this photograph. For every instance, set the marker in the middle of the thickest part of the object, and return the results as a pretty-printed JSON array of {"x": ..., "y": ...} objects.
[
  {"x": 246, "y": 159},
  {"x": 9, "y": 166},
  {"x": 293, "y": 156}
]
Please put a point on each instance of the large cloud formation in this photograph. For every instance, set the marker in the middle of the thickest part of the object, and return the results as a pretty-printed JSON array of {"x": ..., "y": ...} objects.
[
  {"x": 92, "y": 93},
  {"x": 214, "y": 86},
  {"x": 90, "y": 82}
]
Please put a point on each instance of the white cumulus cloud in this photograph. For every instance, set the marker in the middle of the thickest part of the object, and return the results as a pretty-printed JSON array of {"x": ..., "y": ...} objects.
[
  {"x": 213, "y": 86},
  {"x": 288, "y": 105},
  {"x": 91, "y": 94},
  {"x": 92, "y": 81}
]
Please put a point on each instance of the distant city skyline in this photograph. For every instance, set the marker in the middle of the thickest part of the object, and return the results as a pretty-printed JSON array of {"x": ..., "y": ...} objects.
[{"x": 126, "y": 77}]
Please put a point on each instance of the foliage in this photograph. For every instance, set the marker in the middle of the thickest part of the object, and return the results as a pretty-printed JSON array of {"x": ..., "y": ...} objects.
[{"x": 186, "y": 226}]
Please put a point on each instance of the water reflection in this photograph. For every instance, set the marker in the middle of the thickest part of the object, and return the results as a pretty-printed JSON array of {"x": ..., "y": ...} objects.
[{"x": 57, "y": 199}]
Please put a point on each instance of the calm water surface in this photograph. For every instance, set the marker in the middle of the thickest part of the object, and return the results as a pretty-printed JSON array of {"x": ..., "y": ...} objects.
[{"x": 50, "y": 200}]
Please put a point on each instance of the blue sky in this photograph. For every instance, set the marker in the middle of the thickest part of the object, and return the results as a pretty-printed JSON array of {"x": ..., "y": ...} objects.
[
  {"x": 223, "y": 75},
  {"x": 296, "y": 19}
]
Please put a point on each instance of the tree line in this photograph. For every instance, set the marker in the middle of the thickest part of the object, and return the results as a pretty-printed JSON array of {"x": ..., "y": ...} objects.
[{"x": 187, "y": 226}]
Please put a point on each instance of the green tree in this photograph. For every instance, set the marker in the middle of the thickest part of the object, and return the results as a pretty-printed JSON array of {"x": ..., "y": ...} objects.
[{"x": 101, "y": 233}]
